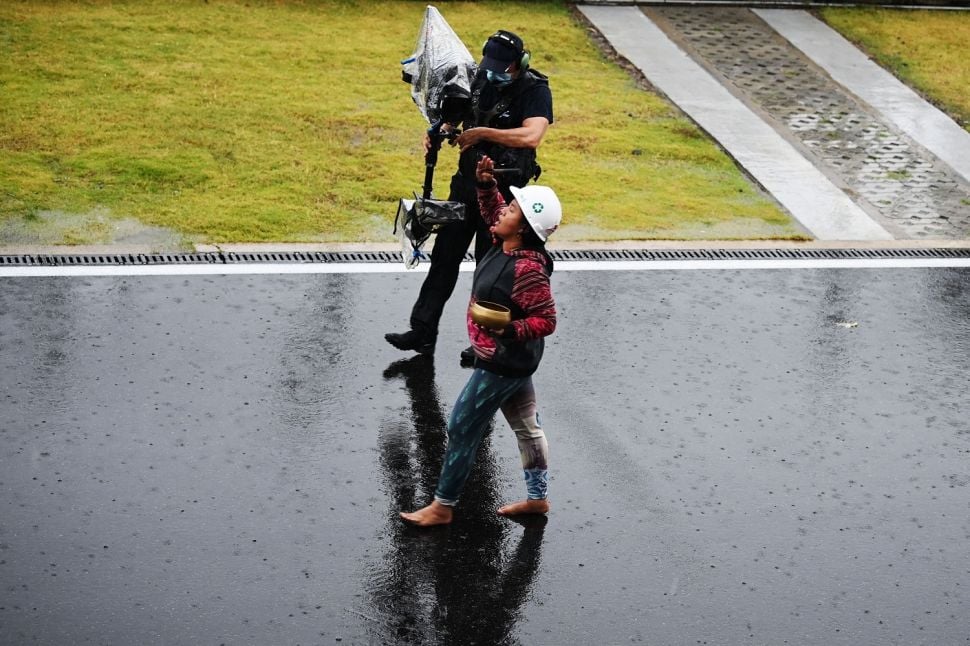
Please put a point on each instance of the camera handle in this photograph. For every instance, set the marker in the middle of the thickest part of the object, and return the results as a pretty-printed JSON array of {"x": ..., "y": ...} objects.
[{"x": 431, "y": 157}]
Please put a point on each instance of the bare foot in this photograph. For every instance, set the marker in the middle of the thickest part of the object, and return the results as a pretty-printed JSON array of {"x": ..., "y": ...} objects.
[
  {"x": 433, "y": 514},
  {"x": 525, "y": 507}
]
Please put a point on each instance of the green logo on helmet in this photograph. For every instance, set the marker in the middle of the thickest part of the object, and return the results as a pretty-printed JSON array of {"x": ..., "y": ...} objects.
[{"x": 537, "y": 207}]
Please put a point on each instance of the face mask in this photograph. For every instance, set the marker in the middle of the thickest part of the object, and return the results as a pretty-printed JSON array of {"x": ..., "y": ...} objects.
[{"x": 498, "y": 78}]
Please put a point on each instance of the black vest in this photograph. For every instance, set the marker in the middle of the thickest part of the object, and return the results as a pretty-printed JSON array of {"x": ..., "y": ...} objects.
[
  {"x": 523, "y": 159},
  {"x": 494, "y": 278}
]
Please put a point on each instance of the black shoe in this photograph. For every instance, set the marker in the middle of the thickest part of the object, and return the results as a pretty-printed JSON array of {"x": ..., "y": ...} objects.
[
  {"x": 467, "y": 357},
  {"x": 410, "y": 340}
]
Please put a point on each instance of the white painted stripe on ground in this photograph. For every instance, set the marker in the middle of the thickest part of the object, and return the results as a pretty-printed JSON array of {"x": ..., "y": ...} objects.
[
  {"x": 561, "y": 266},
  {"x": 714, "y": 265},
  {"x": 809, "y": 196},
  {"x": 894, "y": 100},
  {"x": 218, "y": 269}
]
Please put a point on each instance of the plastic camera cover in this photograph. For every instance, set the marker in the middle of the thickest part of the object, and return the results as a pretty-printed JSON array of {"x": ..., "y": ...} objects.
[
  {"x": 417, "y": 219},
  {"x": 440, "y": 67},
  {"x": 411, "y": 243}
]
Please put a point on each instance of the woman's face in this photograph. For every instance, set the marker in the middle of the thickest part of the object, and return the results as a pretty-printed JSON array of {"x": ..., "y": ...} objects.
[{"x": 510, "y": 221}]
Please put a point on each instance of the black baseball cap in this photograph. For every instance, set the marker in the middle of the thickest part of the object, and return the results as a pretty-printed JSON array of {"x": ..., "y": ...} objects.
[{"x": 501, "y": 50}]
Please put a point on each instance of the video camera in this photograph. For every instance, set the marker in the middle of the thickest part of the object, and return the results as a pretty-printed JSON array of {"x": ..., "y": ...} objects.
[{"x": 440, "y": 72}]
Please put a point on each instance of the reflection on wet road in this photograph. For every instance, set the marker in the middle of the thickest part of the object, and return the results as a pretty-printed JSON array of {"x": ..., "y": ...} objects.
[
  {"x": 737, "y": 457},
  {"x": 459, "y": 584}
]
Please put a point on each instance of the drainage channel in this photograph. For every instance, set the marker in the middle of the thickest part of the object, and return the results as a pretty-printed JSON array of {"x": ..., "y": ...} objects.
[{"x": 563, "y": 255}]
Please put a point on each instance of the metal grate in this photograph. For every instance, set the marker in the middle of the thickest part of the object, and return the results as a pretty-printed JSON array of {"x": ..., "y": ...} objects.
[{"x": 559, "y": 255}]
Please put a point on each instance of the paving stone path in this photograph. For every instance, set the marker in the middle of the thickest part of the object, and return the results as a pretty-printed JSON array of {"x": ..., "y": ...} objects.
[{"x": 899, "y": 183}]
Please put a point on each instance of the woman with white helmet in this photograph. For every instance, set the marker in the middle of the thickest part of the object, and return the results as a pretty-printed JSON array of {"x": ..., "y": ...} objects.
[{"x": 515, "y": 274}]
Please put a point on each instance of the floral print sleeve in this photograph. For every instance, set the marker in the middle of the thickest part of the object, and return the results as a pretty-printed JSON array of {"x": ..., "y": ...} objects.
[
  {"x": 531, "y": 292},
  {"x": 490, "y": 203}
]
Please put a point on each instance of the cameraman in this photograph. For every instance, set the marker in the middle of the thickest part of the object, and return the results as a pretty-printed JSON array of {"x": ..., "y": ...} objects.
[{"x": 511, "y": 108}]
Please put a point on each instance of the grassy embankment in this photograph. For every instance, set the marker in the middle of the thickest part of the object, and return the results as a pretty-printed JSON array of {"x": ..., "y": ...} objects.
[
  {"x": 226, "y": 122},
  {"x": 928, "y": 50}
]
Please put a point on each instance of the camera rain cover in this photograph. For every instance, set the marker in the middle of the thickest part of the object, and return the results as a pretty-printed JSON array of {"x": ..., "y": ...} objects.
[
  {"x": 440, "y": 73},
  {"x": 418, "y": 219},
  {"x": 440, "y": 69}
]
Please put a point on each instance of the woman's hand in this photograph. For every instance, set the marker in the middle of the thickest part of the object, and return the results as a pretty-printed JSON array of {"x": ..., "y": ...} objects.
[
  {"x": 483, "y": 171},
  {"x": 501, "y": 333}
]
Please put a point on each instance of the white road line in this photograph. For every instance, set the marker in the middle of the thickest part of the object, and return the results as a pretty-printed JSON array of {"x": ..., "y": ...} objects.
[{"x": 561, "y": 266}]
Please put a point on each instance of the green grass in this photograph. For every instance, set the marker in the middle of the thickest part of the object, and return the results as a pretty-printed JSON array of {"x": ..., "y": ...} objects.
[
  {"x": 925, "y": 49},
  {"x": 288, "y": 121}
]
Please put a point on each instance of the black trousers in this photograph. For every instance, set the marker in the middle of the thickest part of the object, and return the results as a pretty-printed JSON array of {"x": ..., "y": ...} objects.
[{"x": 450, "y": 245}]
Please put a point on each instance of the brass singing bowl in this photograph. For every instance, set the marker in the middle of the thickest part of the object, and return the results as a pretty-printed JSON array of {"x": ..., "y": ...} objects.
[{"x": 490, "y": 315}]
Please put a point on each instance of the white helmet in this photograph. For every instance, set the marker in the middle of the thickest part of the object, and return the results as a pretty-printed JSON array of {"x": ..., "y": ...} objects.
[{"x": 541, "y": 208}]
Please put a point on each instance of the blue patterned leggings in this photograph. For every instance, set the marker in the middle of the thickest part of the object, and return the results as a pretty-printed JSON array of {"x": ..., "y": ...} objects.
[{"x": 483, "y": 395}]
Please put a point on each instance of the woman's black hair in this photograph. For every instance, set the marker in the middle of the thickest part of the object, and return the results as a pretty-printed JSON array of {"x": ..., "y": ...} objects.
[{"x": 531, "y": 240}]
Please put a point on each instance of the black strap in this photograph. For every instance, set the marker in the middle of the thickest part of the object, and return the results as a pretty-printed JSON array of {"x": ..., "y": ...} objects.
[{"x": 528, "y": 80}]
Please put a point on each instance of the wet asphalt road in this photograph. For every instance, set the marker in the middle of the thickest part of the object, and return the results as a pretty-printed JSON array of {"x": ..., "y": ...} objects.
[{"x": 739, "y": 457}]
